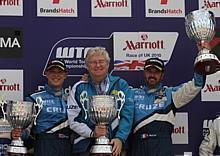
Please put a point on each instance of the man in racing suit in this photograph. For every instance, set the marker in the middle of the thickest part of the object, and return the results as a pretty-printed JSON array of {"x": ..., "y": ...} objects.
[
  {"x": 99, "y": 83},
  {"x": 211, "y": 141},
  {"x": 51, "y": 132},
  {"x": 155, "y": 107}
]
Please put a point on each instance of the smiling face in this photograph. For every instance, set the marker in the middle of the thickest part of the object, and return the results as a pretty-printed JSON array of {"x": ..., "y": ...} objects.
[
  {"x": 56, "y": 77},
  {"x": 97, "y": 63},
  {"x": 98, "y": 67},
  {"x": 153, "y": 77}
]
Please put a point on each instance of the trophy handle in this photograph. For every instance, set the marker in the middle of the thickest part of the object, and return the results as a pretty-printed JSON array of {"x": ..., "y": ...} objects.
[
  {"x": 120, "y": 100},
  {"x": 39, "y": 106},
  {"x": 218, "y": 67},
  {"x": 2, "y": 103},
  {"x": 84, "y": 101},
  {"x": 212, "y": 16}
]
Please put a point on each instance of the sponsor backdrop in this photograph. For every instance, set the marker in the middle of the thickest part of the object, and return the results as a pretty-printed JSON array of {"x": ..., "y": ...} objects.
[{"x": 33, "y": 32}]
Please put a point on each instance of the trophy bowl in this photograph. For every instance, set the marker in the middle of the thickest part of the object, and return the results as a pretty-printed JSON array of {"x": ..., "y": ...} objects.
[
  {"x": 19, "y": 114},
  {"x": 102, "y": 109},
  {"x": 200, "y": 26}
]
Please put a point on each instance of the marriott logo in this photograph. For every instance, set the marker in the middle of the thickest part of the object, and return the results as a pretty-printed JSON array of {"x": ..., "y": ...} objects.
[
  {"x": 9, "y": 2},
  {"x": 8, "y": 87},
  {"x": 212, "y": 88},
  {"x": 143, "y": 44},
  {"x": 208, "y": 4},
  {"x": 111, "y": 4}
]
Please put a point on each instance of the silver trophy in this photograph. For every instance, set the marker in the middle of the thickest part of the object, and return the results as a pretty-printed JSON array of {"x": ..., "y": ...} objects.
[
  {"x": 102, "y": 109},
  {"x": 5, "y": 127},
  {"x": 200, "y": 26},
  {"x": 20, "y": 114}
]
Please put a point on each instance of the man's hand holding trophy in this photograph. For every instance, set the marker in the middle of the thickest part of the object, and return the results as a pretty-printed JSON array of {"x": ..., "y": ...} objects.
[
  {"x": 200, "y": 26},
  {"x": 19, "y": 114},
  {"x": 102, "y": 110}
]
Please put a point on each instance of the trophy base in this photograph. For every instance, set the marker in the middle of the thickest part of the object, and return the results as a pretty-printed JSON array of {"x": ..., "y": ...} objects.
[
  {"x": 17, "y": 146},
  {"x": 206, "y": 64},
  {"x": 17, "y": 149},
  {"x": 101, "y": 150}
]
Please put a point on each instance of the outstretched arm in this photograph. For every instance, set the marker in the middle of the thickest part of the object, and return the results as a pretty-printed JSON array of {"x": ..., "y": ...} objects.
[{"x": 186, "y": 92}]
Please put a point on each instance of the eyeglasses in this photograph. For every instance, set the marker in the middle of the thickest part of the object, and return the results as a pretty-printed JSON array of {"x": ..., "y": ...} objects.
[{"x": 100, "y": 62}]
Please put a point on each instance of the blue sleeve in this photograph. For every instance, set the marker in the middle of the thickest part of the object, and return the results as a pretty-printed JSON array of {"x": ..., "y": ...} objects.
[
  {"x": 127, "y": 113},
  {"x": 199, "y": 80}
]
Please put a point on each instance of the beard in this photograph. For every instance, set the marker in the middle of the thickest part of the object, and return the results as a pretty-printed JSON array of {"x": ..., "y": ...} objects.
[{"x": 151, "y": 82}]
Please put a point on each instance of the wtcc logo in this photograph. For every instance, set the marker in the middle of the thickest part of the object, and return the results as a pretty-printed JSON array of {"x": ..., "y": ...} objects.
[{"x": 73, "y": 51}]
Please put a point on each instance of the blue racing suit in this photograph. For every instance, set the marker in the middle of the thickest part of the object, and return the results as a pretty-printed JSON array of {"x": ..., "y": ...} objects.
[
  {"x": 52, "y": 128},
  {"x": 154, "y": 116},
  {"x": 83, "y": 127}
]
